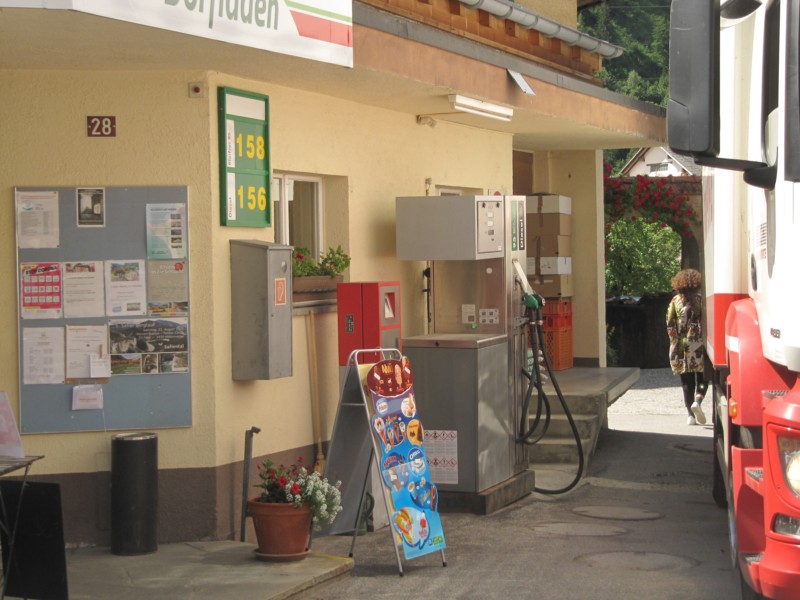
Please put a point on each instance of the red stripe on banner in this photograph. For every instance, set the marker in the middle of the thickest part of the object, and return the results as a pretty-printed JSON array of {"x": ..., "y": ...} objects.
[{"x": 323, "y": 29}]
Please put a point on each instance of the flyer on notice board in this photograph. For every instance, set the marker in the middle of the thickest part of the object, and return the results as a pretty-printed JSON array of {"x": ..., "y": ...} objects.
[{"x": 404, "y": 467}]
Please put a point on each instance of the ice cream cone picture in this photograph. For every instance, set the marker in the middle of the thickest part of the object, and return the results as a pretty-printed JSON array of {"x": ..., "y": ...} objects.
[{"x": 380, "y": 428}]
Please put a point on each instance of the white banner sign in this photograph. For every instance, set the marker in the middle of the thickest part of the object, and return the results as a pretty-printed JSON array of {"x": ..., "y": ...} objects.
[{"x": 315, "y": 29}]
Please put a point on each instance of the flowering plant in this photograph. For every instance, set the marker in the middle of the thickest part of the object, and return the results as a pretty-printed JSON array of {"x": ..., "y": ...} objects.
[
  {"x": 654, "y": 199},
  {"x": 332, "y": 263},
  {"x": 296, "y": 485}
]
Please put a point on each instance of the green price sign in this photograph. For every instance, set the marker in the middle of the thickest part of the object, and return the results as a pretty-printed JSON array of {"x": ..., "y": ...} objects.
[{"x": 244, "y": 159}]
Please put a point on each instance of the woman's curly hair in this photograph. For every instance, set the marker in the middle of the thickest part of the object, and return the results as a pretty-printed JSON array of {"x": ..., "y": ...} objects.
[{"x": 687, "y": 280}]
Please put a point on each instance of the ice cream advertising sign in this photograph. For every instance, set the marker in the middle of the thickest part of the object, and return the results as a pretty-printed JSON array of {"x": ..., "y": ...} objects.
[
  {"x": 399, "y": 434},
  {"x": 316, "y": 29}
]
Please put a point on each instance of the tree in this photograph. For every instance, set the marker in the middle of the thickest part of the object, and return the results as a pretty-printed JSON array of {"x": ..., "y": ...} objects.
[
  {"x": 641, "y": 257},
  {"x": 641, "y": 28}
]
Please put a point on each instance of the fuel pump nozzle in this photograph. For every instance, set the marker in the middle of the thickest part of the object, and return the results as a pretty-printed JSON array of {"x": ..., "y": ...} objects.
[{"x": 530, "y": 299}]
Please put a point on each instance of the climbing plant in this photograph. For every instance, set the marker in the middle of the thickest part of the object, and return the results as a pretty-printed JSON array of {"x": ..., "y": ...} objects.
[{"x": 653, "y": 199}]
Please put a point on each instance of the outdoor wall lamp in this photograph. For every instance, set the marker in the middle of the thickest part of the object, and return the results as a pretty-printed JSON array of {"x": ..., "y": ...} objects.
[{"x": 480, "y": 108}]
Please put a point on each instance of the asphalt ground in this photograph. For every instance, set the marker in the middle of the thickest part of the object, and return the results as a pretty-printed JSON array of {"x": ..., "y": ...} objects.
[{"x": 640, "y": 524}]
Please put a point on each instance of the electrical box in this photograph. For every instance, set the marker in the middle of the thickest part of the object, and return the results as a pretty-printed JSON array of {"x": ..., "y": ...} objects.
[
  {"x": 261, "y": 310},
  {"x": 475, "y": 227},
  {"x": 369, "y": 317}
]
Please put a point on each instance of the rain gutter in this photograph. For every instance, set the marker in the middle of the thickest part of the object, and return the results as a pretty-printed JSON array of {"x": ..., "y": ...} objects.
[{"x": 528, "y": 19}]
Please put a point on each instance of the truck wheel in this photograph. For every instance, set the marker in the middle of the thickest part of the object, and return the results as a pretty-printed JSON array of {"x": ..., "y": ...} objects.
[
  {"x": 718, "y": 490},
  {"x": 746, "y": 591},
  {"x": 733, "y": 536}
]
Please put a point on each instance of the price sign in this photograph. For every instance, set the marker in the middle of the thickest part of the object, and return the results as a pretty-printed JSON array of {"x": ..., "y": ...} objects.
[{"x": 244, "y": 159}]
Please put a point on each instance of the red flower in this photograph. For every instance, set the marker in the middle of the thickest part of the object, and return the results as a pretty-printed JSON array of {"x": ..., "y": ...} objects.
[
  {"x": 296, "y": 488},
  {"x": 283, "y": 481}
]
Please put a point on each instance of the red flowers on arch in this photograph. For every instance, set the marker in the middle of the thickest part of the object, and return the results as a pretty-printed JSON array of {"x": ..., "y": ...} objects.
[{"x": 654, "y": 199}]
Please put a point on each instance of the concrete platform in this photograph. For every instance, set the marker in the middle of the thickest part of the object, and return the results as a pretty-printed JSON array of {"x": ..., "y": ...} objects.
[{"x": 609, "y": 383}]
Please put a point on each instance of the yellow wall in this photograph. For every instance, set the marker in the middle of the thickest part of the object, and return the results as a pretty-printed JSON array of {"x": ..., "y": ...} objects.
[
  {"x": 579, "y": 175},
  {"x": 562, "y": 12},
  {"x": 166, "y": 138}
]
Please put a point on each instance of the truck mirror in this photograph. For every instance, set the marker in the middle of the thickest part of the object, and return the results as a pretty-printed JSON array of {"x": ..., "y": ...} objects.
[{"x": 693, "y": 105}]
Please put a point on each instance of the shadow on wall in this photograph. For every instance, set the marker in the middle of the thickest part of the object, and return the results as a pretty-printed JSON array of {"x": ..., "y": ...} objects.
[{"x": 637, "y": 332}]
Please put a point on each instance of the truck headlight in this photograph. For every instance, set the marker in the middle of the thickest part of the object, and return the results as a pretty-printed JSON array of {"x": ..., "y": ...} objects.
[{"x": 789, "y": 452}]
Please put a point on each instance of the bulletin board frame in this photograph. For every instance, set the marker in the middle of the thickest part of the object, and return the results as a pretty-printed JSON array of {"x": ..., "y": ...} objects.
[{"x": 121, "y": 230}]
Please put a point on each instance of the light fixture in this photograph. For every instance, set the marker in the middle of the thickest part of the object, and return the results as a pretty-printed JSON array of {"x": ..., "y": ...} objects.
[{"x": 481, "y": 108}]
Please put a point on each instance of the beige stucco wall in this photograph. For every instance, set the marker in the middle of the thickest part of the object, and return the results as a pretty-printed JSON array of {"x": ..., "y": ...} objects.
[
  {"x": 166, "y": 138},
  {"x": 579, "y": 175},
  {"x": 563, "y": 12}
]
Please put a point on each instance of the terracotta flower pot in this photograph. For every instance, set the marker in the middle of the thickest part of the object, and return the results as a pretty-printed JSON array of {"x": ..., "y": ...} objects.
[{"x": 282, "y": 530}]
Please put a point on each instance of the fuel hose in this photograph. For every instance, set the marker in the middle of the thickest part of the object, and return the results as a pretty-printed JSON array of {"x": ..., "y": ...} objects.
[{"x": 532, "y": 433}]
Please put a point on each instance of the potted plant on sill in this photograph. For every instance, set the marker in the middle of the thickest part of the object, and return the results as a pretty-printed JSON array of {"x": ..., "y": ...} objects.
[
  {"x": 316, "y": 280},
  {"x": 292, "y": 501}
]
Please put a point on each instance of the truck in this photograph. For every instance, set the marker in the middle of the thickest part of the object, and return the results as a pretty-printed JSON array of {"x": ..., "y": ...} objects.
[{"x": 734, "y": 106}]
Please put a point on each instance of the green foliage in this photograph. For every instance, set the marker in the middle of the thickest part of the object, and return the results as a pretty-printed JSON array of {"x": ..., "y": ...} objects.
[
  {"x": 333, "y": 263},
  {"x": 641, "y": 27},
  {"x": 641, "y": 257}
]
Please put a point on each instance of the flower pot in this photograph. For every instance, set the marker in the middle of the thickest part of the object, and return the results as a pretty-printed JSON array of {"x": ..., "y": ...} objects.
[
  {"x": 282, "y": 530},
  {"x": 315, "y": 287}
]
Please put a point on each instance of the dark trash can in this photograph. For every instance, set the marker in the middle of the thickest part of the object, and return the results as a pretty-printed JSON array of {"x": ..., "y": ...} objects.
[{"x": 134, "y": 493}]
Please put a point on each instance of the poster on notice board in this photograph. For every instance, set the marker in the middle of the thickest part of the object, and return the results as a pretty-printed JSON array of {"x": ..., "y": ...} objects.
[{"x": 399, "y": 434}]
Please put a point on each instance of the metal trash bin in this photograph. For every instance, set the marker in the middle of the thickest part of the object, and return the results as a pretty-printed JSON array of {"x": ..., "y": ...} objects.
[{"x": 134, "y": 493}]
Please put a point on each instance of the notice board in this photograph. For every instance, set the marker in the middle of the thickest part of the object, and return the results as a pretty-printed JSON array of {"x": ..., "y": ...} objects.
[{"x": 103, "y": 308}]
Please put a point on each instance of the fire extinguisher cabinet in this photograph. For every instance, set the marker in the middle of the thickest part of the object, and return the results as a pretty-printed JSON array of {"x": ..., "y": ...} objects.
[{"x": 369, "y": 317}]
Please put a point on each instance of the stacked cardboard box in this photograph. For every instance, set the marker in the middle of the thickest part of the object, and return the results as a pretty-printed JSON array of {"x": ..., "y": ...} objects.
[
  {"x": 549, "y": 270},
  {"x": 549, "y": 244}
]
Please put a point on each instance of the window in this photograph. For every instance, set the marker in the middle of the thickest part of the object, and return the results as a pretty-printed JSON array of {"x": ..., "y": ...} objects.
[
  {"x": 298, "y": 211},
  {"x": 659, "y": 168}
]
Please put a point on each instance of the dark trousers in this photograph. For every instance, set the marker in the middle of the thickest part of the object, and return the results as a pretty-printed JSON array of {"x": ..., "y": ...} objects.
[{"x": 693, "y": 384}]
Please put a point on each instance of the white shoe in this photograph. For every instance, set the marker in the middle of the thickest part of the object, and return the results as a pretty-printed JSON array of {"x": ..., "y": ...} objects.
[
  {"x": 691, "y": 421},
  {"x": 698, "y": 413}
]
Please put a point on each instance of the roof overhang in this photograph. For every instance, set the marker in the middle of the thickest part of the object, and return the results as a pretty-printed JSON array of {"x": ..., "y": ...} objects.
[{"x": 399, "y": 65}]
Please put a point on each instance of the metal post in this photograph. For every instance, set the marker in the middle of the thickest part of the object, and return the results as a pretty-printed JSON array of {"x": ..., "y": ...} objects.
[{"x": 248, "y": 458}]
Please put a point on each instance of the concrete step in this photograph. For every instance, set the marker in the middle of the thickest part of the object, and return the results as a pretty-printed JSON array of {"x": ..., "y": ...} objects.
[
  {"x": 559, "y": 450},
  {"x": 559, "y": 425},
  {"x": 578, "y": 404}
]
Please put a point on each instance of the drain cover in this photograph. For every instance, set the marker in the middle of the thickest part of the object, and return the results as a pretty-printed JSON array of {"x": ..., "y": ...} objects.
[
  {"x": 617, "y": 513},
  {"x": 637, "y": 561},
  {"x": 578, "y": 529}
]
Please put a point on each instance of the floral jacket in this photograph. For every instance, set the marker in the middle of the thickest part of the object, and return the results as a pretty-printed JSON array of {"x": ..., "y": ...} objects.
[{"x": 684, "y": 327}]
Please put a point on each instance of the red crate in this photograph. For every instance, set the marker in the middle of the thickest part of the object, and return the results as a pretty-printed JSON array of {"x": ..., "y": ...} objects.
[
  {"x": 557, "y": 306},
  {"x": 557, "y": 321},
  {"x": 558, "y": 345}
]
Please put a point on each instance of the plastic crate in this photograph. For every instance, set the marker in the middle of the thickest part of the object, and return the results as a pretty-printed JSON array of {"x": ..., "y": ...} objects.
[
  {"x": 558, "y": 345},
  {"x": 557, "y": 321},
  {"x": 557, "y": 306}
]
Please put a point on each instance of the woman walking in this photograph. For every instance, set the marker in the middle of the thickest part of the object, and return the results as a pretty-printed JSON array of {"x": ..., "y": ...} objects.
[{"x": 686, "y": 349}]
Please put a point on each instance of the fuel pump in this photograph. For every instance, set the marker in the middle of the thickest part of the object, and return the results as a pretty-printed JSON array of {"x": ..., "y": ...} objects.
[{"x": 471, "y": 369}]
